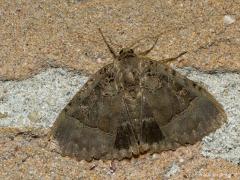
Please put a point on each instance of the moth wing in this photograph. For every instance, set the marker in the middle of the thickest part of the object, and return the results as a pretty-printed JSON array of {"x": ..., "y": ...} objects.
[
  {"x": 93, "y": 124},
  {"x": 183, "y": 110}
]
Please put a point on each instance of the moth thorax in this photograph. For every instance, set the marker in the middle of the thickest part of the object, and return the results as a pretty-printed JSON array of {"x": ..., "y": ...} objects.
[{"x": 129, "y": 77}]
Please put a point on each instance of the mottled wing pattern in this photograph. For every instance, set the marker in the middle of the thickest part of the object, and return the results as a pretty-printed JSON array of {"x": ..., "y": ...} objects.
[
  {"x": 176, "y": 110},
  {"x": 158, "y": 110},
  {"x": 95, "y": 124}
]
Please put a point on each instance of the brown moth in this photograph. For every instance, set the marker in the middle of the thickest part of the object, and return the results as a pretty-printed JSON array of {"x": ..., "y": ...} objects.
[{"x": 133, "y": 106}]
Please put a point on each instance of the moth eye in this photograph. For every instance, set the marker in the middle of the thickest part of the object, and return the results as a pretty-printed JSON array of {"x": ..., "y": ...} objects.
[
  {"x": 121, "y": 51},
  {"x": 131, "y": 50}
]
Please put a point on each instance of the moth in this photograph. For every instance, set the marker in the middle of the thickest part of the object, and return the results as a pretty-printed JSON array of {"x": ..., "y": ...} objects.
[{"x": 133, "y": 106}]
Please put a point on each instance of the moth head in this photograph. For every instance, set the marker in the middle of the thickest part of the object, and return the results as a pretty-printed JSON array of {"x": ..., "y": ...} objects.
[{"x": 126, "y": 53}]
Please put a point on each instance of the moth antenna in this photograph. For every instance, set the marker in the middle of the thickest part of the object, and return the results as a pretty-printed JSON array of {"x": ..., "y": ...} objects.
[
  {"x": 173, "y": 58},
  {"x": 134, "y": 43},
  {"x": 109, "y": 47},
  {"x": 144, "y": 53},
  {"x": 157, "y": 37}
]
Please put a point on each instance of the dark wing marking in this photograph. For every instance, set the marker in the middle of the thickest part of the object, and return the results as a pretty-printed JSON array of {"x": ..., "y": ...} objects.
[
  {"x": 151, "y": 133},
  {"x": 93, "y": 124},
  {"x": 183, "y": 110}
]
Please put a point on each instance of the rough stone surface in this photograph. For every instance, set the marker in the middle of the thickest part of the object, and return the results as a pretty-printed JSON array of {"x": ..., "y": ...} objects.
[
  {"x": 37, "y": 101},
  {"x": 39, "y": 34},
  {"x": 172, "y": 170},
  {"x": 229, "y": 19}
]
